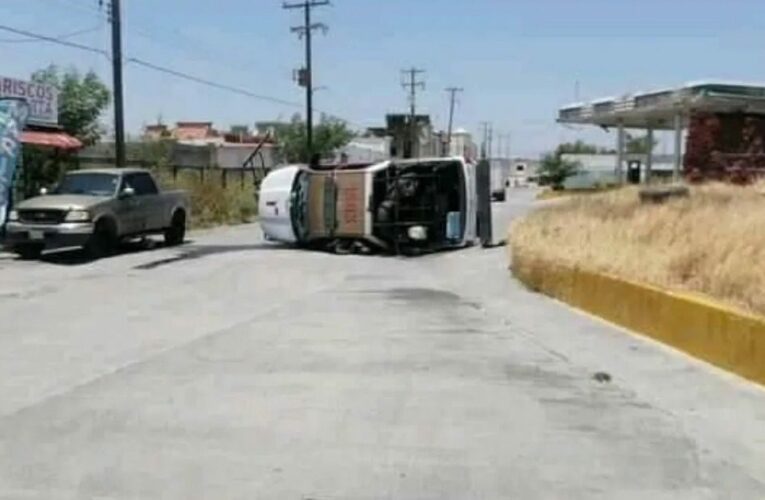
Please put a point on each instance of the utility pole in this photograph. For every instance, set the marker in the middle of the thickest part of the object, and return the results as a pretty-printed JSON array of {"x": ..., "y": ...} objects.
[
  {"x": 452, "y": 98},
  {"x": 500, "y": 153},
  {"x": 412, "y": 84},
  {"x": 119, "y": 110},
  {"x": 491, "y": 140},
  {"x": 305, "y": 78},
  {"x": 485, "y": 142}
]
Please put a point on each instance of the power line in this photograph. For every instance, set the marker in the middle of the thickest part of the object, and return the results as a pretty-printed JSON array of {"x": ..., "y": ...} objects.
[
  {"x": 57, "y": 37},
  {"x": 190, "y": 47},
  {"x": 230, "y": 88},
  {"x": 211, "y": 83},
  {"x": 90, "y": 9},
  {"x": 153, "y": 66},
  {"x": 169, "y": 71},
  {"x": 54, "y": 40}
]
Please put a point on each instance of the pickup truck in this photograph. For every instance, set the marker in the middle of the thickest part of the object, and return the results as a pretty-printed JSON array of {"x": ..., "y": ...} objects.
[{"x": 96, "y": 209}]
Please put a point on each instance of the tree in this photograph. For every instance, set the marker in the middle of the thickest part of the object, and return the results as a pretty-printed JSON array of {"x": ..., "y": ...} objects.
[
  {"x": 577, "y": 148},
  {"x": 582, "y": 148},
  {"x": 328, "y": 136},
  {"x": 81, "y": 101},
  {"x": 639, "y": 145},
  {"x": 554, "y": 170}
]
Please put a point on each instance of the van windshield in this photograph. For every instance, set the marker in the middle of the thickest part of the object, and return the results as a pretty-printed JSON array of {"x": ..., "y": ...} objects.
[{"x": 299, "y": 206}]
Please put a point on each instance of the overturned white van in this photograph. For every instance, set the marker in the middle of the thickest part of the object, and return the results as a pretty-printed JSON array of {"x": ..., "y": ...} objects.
[{"x": 397, "y": 206}]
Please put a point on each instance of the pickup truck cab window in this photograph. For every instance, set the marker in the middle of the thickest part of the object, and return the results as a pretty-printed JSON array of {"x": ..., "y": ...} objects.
[
  {"x": 96, "y": 184},
  {"x": 141, "y": 183}
]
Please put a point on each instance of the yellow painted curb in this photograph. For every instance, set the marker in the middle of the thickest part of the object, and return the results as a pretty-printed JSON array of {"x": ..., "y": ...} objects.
[{"x": 728, "y": 338}]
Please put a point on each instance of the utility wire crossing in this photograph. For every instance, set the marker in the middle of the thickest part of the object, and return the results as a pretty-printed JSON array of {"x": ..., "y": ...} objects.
[
  {"x": 53, "y": 39},
  {"x": 59, "y": 40}
]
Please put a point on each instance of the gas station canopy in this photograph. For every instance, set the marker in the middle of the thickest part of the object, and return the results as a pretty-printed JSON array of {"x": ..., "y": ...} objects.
[{"x": 658, "y": 109}]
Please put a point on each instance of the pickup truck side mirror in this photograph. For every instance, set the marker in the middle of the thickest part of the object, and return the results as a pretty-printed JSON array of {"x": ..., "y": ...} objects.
[{"x": 128, "y": 192}]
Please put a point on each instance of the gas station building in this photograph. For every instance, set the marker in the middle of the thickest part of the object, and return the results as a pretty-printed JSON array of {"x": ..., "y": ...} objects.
[{"x": 664, "y": 110}]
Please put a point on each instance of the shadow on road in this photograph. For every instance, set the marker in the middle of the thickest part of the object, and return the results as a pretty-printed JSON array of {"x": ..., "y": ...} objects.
[
  {"x": 201, "y": 251},
  {"x": 76, "y": 257}
]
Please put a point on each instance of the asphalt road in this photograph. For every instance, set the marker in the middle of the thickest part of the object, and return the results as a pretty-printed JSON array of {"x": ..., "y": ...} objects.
[{"x": 234, "y": 369}]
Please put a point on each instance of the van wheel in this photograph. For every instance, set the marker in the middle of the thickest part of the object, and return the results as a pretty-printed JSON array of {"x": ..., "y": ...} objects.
[
  {"x": 176, "y": 233},
  {"x": 102, "y": 242},
  {"x": 29, "y": 252}
]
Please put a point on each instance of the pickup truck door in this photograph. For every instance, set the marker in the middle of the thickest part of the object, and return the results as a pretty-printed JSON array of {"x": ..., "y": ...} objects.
[
  {"x": 150, "y": 212},
  {"x": 128, "y": 210}
]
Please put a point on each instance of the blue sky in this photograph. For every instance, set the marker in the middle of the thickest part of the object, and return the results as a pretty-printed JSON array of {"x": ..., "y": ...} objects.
[{"x": 518, "y": 60}]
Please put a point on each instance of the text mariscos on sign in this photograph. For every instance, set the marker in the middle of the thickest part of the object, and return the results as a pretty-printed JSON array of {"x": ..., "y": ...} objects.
[{"x": 42, "y": 99}]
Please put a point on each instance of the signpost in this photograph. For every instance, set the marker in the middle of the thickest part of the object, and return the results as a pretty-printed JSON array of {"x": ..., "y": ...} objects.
[
  {"x": 41, "y": 99},
  {"x": 13, "y": 114}
]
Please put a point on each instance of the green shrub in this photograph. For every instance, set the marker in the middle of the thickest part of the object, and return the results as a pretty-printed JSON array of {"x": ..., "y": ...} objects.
[{"x": 212, "y": 203}]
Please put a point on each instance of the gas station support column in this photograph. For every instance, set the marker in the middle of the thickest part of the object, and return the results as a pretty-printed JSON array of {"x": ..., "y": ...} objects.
[
  {"x": 620, "y": 153},
  {"x": 678, "y": 159},
  {"x": 649, "y": 158}
]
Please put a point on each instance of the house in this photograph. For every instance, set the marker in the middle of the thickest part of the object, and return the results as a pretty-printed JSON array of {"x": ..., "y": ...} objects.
[
  {"x": 184, "y": 132},
  {"x": 156, "y": 132},
  {"x": 366, "y": 150},
  {"x": 523, "y": 172},
  {"x": 200, "y": 145},
  {"x": 462, "y": 144},
  {"x": 196, "y": 132}
]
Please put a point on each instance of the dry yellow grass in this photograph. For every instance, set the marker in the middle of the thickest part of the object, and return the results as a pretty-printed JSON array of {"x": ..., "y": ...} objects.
[
  {"x": 211, "y": 203},
  {"x": 712, "y": 243}
]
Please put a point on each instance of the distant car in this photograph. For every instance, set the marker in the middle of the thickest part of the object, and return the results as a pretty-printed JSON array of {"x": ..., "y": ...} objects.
[
  {"x": 500, "y": 172},
  {"x": 95, "y": 209},
  {"x": 397, "y": 206}
]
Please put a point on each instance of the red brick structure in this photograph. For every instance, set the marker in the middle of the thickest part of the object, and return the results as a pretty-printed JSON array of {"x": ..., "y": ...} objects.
[{"x": 725, "y": 146}]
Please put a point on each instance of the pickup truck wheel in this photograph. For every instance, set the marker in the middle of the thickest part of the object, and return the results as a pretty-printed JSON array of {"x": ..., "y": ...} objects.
[
  {"x": 176, "y": 233},
  {"x": 29, "y": 252},
  {"x": 102, "y": 241}
]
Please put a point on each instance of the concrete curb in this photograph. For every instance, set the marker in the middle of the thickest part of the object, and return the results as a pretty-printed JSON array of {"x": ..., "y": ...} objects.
[{"x": 728, "y": 338}]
